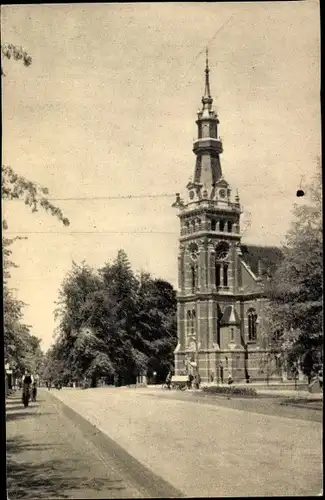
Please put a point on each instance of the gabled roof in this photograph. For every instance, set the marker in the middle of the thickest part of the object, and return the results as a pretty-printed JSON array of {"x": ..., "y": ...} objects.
[
  {"x": 269, "y": 258},
  {"x": 230, "y": 316}
]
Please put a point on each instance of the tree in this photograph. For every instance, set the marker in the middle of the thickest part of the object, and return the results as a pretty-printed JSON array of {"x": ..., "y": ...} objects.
[
  {"x": 115, "y": 325},
  {"x": 17, "y": 53},
  {"x": 296, "y": 288}
]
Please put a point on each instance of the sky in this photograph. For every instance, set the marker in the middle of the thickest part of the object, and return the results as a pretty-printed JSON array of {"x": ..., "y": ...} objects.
[{"x": 108, "y": 109}]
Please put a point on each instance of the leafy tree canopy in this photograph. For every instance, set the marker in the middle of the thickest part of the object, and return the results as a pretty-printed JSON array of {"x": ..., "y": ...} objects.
[
  {"x": 114, "y": 324},
  {"x": 296, "y": 289}
]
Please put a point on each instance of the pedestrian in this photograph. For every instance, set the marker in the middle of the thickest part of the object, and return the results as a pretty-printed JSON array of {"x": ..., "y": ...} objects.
[
  {"x": 221, "y": 373},
  {"x": 27, "y": 380},
  {"x": 320, "y": 378},
  {"x": 34, "y": 391},
  {"x": 190, "y": 380},
  {"x": 169, "y": 380}
]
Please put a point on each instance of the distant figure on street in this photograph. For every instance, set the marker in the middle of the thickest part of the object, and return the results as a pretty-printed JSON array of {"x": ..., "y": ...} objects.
[
  {"x": 34, "y": 391},
  {"x": 27, "y": 381},
  {"x": 211, "y": 377},
  {"x": 221, "y": 373},
  {"x": 190, "y": 381},
  {"x": 230, "y": 379},
  {"x": 169, "y": 380},
  {"x": 320, "y": 378}
]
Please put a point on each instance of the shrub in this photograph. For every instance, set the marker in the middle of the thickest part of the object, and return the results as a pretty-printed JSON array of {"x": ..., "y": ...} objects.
[{"x": 229, "y": 390}]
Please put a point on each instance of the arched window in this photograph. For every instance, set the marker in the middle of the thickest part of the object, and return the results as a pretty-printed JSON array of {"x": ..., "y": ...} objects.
[
  {"x": 193, "y": 277},
  {"x": 218, "y": 270},
  {"x": 198, "y": 222},
  {"x": 193, "y": 225},
  {"x": 213, "y": 225},
  {"x": 188, "y": 322},
  {"x": 225, "y": 275},
  {"x": 193, "y": 322},
  {"x": 229, "y": 226},
  {"x": 222, "y": 225},
  {"x": 252, "y": 326},
  {"x": 187, "y": 227}
]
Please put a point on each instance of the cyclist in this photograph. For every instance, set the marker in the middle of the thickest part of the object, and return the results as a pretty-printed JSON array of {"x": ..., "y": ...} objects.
[{"x": 27, "y": 382}]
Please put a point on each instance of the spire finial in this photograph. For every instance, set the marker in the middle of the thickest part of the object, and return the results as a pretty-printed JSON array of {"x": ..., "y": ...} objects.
[{"x": 207, "y": 92}]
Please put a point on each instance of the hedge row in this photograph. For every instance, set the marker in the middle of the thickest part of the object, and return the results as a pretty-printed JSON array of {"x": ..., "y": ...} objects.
[{"x": 231, "y": 390}]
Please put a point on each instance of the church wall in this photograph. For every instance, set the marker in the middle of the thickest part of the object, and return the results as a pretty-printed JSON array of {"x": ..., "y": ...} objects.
[{"x": 203, "y": 324}]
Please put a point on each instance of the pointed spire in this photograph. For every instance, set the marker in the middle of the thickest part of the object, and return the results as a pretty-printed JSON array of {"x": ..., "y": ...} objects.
[
  {"x": 207, "y": 92},
  {"x": 207, "y": 99}
]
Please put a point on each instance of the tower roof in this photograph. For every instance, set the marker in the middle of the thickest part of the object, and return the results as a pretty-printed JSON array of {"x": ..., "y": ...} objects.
[{"x": 207, "y": 99}]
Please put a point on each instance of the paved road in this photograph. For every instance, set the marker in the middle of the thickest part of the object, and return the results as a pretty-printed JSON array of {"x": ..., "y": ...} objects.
[
  {"x": 205, "y": 449},
  {"x": 54, "y": 453}
]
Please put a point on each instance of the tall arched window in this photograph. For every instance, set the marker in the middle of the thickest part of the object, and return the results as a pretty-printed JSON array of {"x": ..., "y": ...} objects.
[
  {"x": 221, "y": 253},
  {"x": 229, "y": 226},
  {"x": 218, "y": 270},
  {"x": 188, "y": 323},
  {"x": 193, "y": 322},
  {"x": 213, "y": 225},
  {"x": 225, "y": 275},
  {"x": 252, "y": 326},
  {"x": 222, "y": 225},
  {"x": 193, "y": 277},
  {"x": 199, "y": 225}
]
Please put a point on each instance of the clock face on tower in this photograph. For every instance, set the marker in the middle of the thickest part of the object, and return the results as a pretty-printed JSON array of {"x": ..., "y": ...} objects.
[{"x": 222, "y": 250}]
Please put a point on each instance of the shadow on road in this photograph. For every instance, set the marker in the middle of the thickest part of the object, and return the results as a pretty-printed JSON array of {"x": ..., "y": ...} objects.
[
  {"x": 45, "y": 479},
  {"x": 16, "y": 415}
]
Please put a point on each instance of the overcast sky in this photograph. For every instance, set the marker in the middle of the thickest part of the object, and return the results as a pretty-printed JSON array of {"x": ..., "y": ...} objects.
[{"x": 108, "y": 108}]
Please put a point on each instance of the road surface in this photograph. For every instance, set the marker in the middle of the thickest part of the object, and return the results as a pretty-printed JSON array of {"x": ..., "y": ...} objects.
[
  {"x": 54, "y": 453},
  {"x": 207, "y": 449}
]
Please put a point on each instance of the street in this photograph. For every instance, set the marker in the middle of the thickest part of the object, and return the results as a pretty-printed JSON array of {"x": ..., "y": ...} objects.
[
  {"x": 53, "y": 453},
  {"x": 200, "y": 448}
]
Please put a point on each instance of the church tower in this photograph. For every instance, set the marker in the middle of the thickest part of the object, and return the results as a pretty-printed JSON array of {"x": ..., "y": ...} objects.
[{"x": 211, "y": 326}]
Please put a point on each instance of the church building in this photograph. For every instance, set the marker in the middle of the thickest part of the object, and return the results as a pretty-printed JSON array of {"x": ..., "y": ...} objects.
[{"x": 221, "y": 298}]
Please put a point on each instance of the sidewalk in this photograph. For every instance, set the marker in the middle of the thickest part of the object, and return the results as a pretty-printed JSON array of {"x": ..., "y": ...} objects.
[{"x": 285, "y": 393}]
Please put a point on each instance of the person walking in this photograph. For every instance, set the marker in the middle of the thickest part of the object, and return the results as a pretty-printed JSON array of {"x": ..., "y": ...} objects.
[
  {"x": 169, "y": 380},
  {"x": 34, "y": 391},
  {"x": 27, "y": 381}
]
